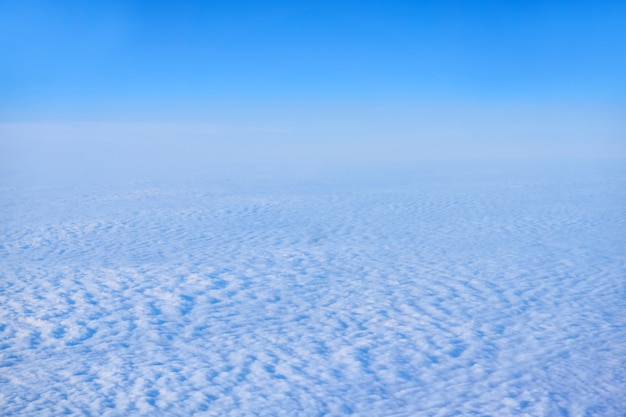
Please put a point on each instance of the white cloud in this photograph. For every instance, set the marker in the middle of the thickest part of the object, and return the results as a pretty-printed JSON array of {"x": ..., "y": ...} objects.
[{"x": 425, "y": 295}]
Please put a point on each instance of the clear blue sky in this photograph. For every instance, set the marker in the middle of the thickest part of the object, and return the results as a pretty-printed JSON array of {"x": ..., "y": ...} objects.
[{"x": 357, "y": 66}]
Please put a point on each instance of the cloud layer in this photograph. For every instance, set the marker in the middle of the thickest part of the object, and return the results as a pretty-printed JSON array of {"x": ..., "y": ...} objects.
[{"x": 425, "y": 295}]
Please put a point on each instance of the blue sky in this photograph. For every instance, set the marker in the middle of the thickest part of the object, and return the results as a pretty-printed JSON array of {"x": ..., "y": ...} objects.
[{"x": 317, "y": 70}]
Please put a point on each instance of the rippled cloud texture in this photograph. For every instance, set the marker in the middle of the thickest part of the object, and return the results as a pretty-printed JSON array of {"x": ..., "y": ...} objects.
[{"x": 312, "y": 208}]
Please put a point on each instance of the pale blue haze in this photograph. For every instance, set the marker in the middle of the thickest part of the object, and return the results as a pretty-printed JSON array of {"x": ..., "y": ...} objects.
[{"x": 398, "y": 71}]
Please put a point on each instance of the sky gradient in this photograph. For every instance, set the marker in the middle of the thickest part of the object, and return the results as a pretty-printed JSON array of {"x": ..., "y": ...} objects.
[{"x": 437, "y": 79}]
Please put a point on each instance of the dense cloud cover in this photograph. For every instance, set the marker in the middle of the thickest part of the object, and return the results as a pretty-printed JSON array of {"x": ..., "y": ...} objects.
[{"x": 493, "y": 294}]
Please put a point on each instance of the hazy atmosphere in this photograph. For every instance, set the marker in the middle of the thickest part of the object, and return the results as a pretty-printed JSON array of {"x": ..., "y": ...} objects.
[{"x": 317, "y": 82}]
